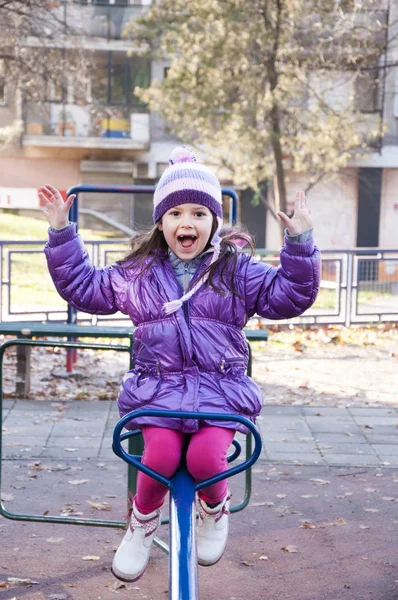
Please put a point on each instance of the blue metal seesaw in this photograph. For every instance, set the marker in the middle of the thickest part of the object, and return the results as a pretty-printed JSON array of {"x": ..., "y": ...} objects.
[{"x": 183, "y": 564}]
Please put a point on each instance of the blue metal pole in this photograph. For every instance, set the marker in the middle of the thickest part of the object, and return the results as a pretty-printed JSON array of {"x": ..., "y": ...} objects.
[
  {"x": 183, "y": 562},
  {"x": 74, "y": 209},
  {"x": 71, "y": 354},
  {"x": 140, "y": 189},
  {"x": 233, "y": 206}
]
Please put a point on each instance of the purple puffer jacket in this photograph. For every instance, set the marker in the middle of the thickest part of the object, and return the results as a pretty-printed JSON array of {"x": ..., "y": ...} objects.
[{"x": 192, "y": 360}]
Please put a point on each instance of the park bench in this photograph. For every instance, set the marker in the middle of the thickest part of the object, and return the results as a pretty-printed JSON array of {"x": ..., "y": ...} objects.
[{"x": 29, "y": 330}]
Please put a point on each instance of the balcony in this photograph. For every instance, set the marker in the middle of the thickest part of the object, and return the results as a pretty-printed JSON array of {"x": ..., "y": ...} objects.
[
  {"x": 56, "y": 125},
  {"x": 96, "y": 20}
]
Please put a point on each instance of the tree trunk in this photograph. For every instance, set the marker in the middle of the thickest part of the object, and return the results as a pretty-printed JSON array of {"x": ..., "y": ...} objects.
[{"x": 279, "y": 177}]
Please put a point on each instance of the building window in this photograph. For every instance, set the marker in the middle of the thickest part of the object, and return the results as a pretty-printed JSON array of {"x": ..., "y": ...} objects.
[
  {"x": 140, "y": 76},
  {"x": 116, "y": 76},
  {"x": 3, "y": 89},
  {"x": 3, "y": 99},
  {"x": 367, "y": 91}
]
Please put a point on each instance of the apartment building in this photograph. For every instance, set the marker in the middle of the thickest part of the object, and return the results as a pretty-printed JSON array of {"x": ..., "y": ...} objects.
[
  {"x": 100, "y": 135},
  {"x": 105, "y": 135}
]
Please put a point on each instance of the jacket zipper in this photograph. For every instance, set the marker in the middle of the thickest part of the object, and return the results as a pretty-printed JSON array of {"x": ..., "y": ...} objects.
[
  {"x": 230, "y": 362},
  {"x": 186, "y": 277},
  {"x": 185, "y": 285}
]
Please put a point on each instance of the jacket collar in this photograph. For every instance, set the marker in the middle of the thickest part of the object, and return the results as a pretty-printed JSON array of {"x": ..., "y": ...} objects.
[{"x": 177, "y": 263}]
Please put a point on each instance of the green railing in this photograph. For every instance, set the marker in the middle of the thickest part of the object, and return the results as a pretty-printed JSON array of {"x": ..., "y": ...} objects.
[{"x": 135, "y": 443}]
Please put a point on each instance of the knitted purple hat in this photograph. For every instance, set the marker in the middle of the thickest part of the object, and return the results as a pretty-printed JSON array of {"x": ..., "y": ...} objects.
[{"x": 187, "y": 181}]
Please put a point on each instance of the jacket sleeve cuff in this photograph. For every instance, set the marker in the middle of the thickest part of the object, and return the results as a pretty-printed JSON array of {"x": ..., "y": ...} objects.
[
  {"x": 56, "y": 237},
  {"x": 304, "y": 236},
  {"x": 299, "y": 248}
]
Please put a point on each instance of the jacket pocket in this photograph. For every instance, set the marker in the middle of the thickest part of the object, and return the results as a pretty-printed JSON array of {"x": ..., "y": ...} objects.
[
  {"x": 139, "y": 387},
  {"x": 241, "y": 394},
  {"x": 232, "y": 366}
]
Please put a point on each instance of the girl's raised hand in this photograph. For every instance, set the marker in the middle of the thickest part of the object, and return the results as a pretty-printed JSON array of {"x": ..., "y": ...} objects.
[
  {"x": 55, "y": 209},
  {"x": 301, "y": 219}
]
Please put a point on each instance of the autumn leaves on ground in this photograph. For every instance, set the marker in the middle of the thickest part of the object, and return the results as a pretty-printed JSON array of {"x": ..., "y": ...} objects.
[
  {"x": 331, "y": 366},
  {"x": 313, "y": 366}
]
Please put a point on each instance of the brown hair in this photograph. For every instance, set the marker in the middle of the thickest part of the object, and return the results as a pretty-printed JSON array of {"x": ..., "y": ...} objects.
[{"x": 147, "y": 247}]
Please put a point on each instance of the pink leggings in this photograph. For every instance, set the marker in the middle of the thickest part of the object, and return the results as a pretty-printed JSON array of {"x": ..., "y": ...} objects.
[{"x": 206, "y": 456}]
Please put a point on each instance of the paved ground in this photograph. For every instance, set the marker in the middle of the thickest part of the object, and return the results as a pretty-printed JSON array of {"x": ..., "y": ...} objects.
[
  {"x": 322, "y": 523},
  {"x": 305, "y": 435}
]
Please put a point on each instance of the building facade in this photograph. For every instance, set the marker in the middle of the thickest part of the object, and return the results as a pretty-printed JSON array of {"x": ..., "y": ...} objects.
[{"x": 105, "y": 135}]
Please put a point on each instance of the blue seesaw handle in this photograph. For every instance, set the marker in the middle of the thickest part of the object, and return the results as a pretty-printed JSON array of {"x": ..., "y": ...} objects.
[{"x": 135, "y": 461}]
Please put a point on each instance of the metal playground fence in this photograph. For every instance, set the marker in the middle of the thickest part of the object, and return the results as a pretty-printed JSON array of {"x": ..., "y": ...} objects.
[{"x": 357, "y": 286}]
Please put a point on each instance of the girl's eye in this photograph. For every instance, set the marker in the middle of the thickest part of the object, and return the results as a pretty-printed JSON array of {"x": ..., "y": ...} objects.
[
  {"x": 199, "y": 213},
  {"x": 174, "y": 213}
]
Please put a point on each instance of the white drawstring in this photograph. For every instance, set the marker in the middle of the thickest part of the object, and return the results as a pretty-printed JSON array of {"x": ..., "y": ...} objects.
[{"x": 174, "y": 305}]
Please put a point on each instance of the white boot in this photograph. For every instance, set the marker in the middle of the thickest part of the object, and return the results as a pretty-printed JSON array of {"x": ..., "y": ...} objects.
[
  {"x": 132, "y": 556},
  {"x": 212, "y": 531}
]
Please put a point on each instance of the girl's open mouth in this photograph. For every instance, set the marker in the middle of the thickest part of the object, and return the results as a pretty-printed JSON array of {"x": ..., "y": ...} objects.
[{"x": 187, "y": 241}]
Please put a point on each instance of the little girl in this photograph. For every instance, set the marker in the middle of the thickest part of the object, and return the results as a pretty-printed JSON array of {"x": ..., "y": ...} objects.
[{"x": 189, "y": 292}]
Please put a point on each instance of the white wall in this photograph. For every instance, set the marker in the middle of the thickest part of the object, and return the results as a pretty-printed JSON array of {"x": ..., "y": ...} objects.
[
  {"x": 25, "y": 172},
  {"x": 333, "y": 207},
  {"x": 389, "y": 210}
]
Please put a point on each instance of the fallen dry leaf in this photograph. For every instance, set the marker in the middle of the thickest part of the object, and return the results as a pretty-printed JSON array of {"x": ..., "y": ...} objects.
[
  {"x": 290, "y": 549},
  {"x": 55, "y": 540},
  {"x": 115, "y": 585},
  {"x": 364, "y": 527},
  {"x": 7, "y": 497},
  {"x": 69, "y": 511},
  {"x": 307, "y": 526},
  {"x": 320, "y": 481},
  {"x": 99, "y": 505},
  {"x": 263, "y": 557},
  {"x": 247, "y": 563},
  {"x": 372, "y": 510},
  {"x": 19, "y": 581},
  {"x": 78, "y": 481},
  {"x": 3, "y": 584},
  {"x": 298, "y": 346},
  {"x": 89, "y": 557},
  {"x": 37, "y": 466},
  {"x": 332, "y": 523}
]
